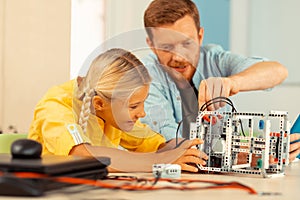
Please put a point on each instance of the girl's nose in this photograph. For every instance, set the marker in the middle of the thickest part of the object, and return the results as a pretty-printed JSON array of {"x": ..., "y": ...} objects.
[{"x": 141, "y": 114}]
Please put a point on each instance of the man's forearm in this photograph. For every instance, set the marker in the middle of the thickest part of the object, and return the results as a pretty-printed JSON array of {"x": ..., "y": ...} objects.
[{"x": 260, "y": 76}]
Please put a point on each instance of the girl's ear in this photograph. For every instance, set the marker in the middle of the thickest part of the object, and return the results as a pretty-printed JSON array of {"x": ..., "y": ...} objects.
[{"x": 98, "y": 103}]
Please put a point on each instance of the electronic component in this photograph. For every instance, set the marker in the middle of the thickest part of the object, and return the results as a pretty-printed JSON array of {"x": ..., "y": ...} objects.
[
  {"x": 243, "y": 142},
  {"x": 166, "y": 170}
]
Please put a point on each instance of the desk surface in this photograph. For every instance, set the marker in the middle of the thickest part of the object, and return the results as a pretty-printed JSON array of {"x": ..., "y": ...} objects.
[{"x": 286, "y": 187}]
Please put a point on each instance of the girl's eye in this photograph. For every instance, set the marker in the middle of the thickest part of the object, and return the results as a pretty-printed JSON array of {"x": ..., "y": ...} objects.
[{"x": 133, "y": 107}]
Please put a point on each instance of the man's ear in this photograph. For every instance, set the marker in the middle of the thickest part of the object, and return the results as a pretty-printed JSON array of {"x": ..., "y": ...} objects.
[
  {"x": 98, "y": 103},
  {"x": 150, "y": 44},
  {"x": 200, "y": 35}
]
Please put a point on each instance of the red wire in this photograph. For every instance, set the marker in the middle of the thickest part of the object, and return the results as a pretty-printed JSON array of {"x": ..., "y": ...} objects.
[{"x": 126, "y": 186}]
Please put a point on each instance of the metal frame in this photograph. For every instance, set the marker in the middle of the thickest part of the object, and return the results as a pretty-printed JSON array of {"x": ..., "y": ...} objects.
[{"x": 243, "y": 142}]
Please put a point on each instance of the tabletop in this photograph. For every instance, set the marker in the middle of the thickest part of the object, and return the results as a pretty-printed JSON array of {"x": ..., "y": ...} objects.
[{"x": 281, "y": 187}]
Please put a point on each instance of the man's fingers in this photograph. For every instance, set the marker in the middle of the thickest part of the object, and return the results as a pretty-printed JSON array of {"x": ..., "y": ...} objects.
[
  {"x": 217, "y": 87},
  {"x": 209, "y": 94},
  {"x": 212, "y": 88},
  {"x": 295, "y": 146},
  {"x": 294, "y": 137},
  {"x": 294, "y": 154},
  {"x": 205, "y": 94},
  {"x": 202, "y": 94}
]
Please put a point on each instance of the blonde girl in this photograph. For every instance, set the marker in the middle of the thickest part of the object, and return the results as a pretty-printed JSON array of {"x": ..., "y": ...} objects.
[{"x": 98, "y": 115}]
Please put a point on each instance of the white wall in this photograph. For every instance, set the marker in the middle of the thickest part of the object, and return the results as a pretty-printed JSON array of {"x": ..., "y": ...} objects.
[
  {"x": 282, "y": 98},
  {"x": 124, "y": 26},
  {"x": 123, "y": 16},
  {"x": 274, "y": 33},
  {"x": 1, "y": 61},
  {"x": 268, "y": 28},
  {"x": 35, "y": 54},
  {"x": 87, "y": 31}
]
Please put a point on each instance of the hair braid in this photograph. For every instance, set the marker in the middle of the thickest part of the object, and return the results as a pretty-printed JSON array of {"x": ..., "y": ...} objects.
[{"x": 85, "y": 107}]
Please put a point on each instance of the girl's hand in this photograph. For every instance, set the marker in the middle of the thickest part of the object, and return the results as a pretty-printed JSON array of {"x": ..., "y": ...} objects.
[{"x": 191, "y": 157}]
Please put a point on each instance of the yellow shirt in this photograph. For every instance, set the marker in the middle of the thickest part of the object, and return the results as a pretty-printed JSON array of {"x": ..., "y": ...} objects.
[{"x": 56, "y": 112}]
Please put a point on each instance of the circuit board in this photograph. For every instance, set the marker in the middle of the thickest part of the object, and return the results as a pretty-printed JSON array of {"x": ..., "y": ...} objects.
[{"x": 243, "y": 142}]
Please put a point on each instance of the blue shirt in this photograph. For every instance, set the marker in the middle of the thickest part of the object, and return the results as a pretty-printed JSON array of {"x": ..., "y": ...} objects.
[{"x": 163, "y": 105}]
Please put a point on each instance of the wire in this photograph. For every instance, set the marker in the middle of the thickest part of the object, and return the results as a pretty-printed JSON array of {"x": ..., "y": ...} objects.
[
  {"x": 134, "y": 183},
  {"x": 222, "y": 100},
  {"x": 157, "y": 177},
  {"x": 205, "y": 106},
  {"x": 177, "y": 131},
  {"x": 218, "y": 100}
]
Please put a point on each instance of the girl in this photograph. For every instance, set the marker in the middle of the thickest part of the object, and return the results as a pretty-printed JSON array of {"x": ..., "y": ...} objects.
[{"x": 97, "y": 115}]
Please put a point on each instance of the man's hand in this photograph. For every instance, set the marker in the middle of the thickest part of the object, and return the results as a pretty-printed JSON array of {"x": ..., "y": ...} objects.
[
  {"x": 295, "y": 146},
  {"x": 216, "y": 87}
]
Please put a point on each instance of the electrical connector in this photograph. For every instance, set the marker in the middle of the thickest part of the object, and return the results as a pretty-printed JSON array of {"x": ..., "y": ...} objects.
[{"x": 166, "y": 170}]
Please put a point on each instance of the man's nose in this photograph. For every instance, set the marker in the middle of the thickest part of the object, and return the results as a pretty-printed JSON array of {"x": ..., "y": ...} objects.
[
  {"x": 179, "y": 54},
  {"x": 177, "y": 58}
]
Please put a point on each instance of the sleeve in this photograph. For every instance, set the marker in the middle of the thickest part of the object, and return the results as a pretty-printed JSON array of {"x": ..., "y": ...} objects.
[
  {"x": 54, "y": 125},
  {"x": 229, "y": 63},
  {"x": 142, "y": 139}
]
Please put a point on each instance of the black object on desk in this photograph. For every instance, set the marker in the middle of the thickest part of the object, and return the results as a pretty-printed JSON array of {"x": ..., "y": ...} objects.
[
  {"x": 26, "y": 148},
  {"x": 52, "y": 166}
]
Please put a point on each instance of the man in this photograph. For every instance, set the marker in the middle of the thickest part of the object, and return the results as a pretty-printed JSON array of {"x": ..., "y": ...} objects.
[{"x": 175, "y": 37}]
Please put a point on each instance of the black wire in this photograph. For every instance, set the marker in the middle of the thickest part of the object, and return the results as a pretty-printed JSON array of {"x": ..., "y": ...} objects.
[
  {"x": 177, "y": 131},
  {"x": 157, "y": 177},
  {"x": 206, "y": 105},
  {"x": 220, "y": 100},
  {"x": 227, "y": 100},
  {"x": 214, "y": 100},
  {"x": 121, "y": 176},
  {"x": 182, "y": 141},
  {"x": 242, "y": 129}
]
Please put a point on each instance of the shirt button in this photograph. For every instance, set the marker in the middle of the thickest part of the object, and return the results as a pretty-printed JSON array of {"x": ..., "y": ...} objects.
[
  {"x": 178, "y": 98},
  {"x": 154, "y": 123}
]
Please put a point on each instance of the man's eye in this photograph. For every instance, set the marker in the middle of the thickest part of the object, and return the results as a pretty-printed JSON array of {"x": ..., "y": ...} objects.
[
  {"x": 166, "y": 47},
  {"x": 187, "y": 43}
]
